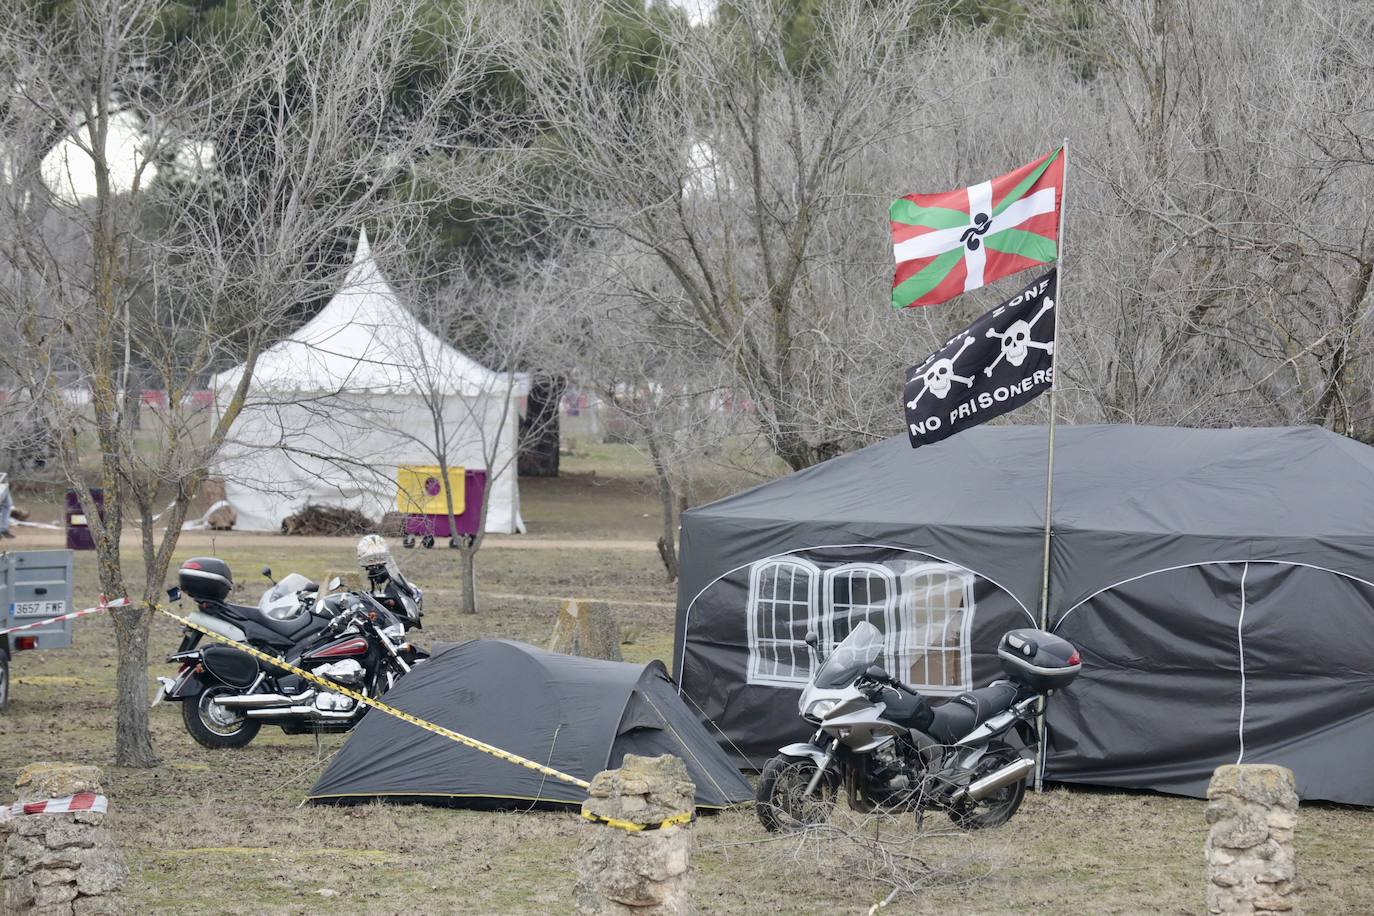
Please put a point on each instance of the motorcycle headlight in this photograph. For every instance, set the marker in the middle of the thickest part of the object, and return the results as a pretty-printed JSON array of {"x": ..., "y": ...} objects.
[
  {"x": 821, "y": 708},
  {"x": 396, "y": 632}
]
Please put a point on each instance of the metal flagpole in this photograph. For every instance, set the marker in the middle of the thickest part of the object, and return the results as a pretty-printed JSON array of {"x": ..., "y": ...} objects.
[
  {"x": 1049, "y": 463},
  {"x": 1054, "y": 384}
]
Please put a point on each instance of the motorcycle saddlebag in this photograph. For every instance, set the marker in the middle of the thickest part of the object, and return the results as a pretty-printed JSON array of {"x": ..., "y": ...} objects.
[
  {"x": 235, "y": 668},
  {"x": 205, "y": 579},
  {"x": 1038, "y": 659}
]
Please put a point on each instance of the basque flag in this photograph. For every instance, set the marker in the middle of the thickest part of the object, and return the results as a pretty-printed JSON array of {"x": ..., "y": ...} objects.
[
  {"x": 951, "y": 243},
  {"x": 996, "y": 364}
]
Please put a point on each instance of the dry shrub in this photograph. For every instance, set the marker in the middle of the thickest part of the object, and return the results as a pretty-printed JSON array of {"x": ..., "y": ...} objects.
[{"x": 886, "y": 853}]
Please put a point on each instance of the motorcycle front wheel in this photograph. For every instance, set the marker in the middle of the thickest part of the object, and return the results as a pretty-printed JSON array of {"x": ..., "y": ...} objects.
[
  {"x": 781, "y": 802},
  {"x": 212, "y": 725},
  {"x": 996, "y": 809}
]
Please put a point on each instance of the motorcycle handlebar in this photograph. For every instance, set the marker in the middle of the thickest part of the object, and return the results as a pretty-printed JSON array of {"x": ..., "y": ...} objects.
[{"x": 890, "y": 681}]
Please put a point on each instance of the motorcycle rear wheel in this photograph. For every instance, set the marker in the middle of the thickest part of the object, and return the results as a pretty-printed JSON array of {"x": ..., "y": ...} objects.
[
  {"x": 214, "y": 726},
  {"x": 996, "y": 809},
  {"x": 780, "y": 801}
]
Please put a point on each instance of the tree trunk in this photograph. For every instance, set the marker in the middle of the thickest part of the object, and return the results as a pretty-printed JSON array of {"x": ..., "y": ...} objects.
[
  {"x": 794, "y": 449},
  {"x": 133, "y": 743},
  {"x": 667, "y": 544},
  {"x": 539, "y": 433},
  {"x": 469, "y": 557},
  {"x": 453, "y": 540}
]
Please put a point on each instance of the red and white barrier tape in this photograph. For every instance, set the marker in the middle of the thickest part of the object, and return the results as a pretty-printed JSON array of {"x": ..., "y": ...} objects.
[
  {"x": 81, "y": 801},
  {"x": 102, "y": 606}
]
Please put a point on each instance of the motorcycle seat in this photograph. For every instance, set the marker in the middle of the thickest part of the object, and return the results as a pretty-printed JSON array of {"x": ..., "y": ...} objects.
[
  {"x": 962, "y": 714},
  {"x": 287, "y": 631}
]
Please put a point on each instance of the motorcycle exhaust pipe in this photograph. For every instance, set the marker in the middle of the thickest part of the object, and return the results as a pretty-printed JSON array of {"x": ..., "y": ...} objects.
[
  {"x": 276, "y": 712},
  {"x": 305, "y": 712},
  {"x": 998, "y": 779},
  {"x": 263, "y": 700}
]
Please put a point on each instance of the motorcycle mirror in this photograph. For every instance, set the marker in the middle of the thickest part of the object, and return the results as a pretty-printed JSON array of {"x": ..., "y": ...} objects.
[
  {"x": 267, "y": 571},
  {"x": 335, "y": 584},
  {"x": 813, "y": 642}
]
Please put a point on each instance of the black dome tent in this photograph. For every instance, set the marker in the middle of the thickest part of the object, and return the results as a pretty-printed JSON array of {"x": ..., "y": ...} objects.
[
  {"x": 576, "y": 715},
  {"x": 1219, "y": 583}
]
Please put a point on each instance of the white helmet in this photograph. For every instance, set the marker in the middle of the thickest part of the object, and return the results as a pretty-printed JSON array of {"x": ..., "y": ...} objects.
[{"x": 372, "y": 551}]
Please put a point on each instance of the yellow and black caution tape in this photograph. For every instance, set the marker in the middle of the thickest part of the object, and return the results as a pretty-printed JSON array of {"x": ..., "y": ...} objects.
[
  {"x": 685, "y": 817},
  {"x": 448, "y": 733}
]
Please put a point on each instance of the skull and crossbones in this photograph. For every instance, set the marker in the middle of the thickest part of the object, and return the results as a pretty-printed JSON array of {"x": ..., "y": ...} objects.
[
  {"x": 940, "y": 375},
  {"x": 1016, "y": 340}
]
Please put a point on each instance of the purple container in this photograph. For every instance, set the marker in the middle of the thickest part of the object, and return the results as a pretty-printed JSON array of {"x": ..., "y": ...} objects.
[
  {"x": 78, "y": 532},
  {"x": 437, "y": 526}
]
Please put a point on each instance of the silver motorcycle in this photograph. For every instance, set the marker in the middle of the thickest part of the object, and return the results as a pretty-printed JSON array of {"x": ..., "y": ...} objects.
[{"x": 879, "y": 742}]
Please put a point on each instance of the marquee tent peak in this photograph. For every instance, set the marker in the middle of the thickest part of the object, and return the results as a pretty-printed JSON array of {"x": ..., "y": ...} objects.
[
  {"x": 366, "y": 339},
  {"x": 363, "y": 252}
]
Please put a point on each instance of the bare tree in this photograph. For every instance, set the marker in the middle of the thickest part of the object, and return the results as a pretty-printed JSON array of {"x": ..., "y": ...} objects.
[
  {"x": 1220, "y": 244},
  {"x": 744, "y": 172},
  {"x": 1219, "y": 239},
  {"x": 473, "y": 399},
  {"x": 261, "y": 153},
  {"x": 655, "y": 374}
]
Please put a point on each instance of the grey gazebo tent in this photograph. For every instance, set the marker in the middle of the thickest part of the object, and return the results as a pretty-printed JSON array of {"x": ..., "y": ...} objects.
[
  {"x": 1220, "y": 584},
  {"x": 577, "y": 715}
]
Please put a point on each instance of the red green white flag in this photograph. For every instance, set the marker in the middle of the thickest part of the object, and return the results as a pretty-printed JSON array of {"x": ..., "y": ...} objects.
[{"x": 951, "y": 243}]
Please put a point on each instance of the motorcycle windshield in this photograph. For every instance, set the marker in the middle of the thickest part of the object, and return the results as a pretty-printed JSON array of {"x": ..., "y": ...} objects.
[
  {"x": 381, "y": 616},
  {"x": 280, "y": 602},
  {"x": 852, "y": 657}
]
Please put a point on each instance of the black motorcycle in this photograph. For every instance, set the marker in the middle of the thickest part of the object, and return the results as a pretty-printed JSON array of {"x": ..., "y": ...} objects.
[{"x": 349, "y": 638}]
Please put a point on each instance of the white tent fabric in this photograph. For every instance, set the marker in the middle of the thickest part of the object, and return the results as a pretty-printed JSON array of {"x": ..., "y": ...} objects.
[{"x": 334, "y": 409}]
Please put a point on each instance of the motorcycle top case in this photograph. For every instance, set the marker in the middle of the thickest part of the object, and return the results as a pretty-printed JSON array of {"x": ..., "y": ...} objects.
[
  {"x": 205, "y": 579},
  {"x": 1038, "y": 659}
]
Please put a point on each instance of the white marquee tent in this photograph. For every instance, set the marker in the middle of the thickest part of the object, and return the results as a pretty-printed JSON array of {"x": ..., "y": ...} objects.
[{"x": 335, "y": 408}]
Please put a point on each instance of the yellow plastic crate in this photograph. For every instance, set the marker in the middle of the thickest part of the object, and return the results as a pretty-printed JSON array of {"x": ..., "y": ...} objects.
[{"x": 420, "y": 491}]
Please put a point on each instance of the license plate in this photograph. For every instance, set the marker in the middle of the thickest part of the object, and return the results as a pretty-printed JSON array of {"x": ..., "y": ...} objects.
[{"x": 38, "y": 608}]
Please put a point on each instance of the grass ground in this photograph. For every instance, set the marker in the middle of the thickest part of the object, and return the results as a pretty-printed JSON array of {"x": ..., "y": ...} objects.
[{"x": 220, "y": 832}]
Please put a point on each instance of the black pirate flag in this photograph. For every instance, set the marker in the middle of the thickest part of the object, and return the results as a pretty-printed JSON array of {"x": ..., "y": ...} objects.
[{"x": 996, "y": 364}]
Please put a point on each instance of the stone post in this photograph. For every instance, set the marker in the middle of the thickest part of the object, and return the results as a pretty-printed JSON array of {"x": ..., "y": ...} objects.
[
  {"x": 586, "y": 628},
  {"x": 58, "y": 864},
  {"x": 1253, "y": 810},
  {"x": 623, "y": 871}
]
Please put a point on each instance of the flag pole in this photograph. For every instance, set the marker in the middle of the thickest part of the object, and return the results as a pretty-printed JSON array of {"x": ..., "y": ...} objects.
[
  {"x": 1054, "y": 384},
  {"x": 1049, "y": 462}
]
